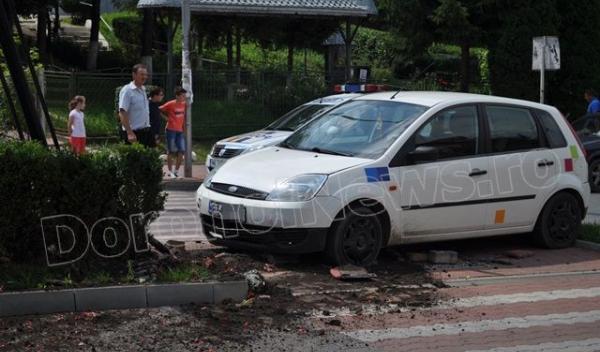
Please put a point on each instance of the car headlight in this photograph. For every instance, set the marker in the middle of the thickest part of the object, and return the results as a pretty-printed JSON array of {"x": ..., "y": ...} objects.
[{"x": 298, "y": 189}]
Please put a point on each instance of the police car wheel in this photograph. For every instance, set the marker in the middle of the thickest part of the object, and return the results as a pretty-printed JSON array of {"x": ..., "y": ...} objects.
[
  {"x": 594, "y": 175},
  {"x": 559, "y": 222},
  {"x": 356, "y": 239}
]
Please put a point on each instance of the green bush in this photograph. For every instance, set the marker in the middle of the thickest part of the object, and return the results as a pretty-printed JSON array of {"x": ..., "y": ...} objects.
[{"x": 36, "y": 183}]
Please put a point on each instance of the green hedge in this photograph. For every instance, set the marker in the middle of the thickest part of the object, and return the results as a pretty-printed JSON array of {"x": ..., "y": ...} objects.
[{"x": 36, "y": 183}]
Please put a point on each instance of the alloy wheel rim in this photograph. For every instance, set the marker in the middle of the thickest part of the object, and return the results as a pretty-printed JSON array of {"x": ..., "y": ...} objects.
[
  {"x": 563, "y": 222},
  {"x": 360, "y": 240}
]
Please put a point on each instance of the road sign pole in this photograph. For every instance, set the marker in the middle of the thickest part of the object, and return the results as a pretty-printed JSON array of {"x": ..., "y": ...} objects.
[
  {"x": 543, "y": 74},
  {"x": 186, "y": 78}
]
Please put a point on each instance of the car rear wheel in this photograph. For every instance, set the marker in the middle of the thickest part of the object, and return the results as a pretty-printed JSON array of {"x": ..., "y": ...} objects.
[
  {"x": 594, "y": 176},
  {"x": 559, "y": 222},
  {"x": 356, "y": 239}
]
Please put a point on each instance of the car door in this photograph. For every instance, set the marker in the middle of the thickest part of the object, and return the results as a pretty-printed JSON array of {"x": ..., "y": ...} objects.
[
  {"x": 524, "y": 163},
  {"x": 443, "y": 175}
]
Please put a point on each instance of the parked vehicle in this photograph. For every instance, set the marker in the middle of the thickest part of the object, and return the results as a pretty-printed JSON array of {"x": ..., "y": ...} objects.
[
  {"x": 588, "y": 130},
  {"x": 274, "y": 133},
  {"x": 394, "y": 168}
]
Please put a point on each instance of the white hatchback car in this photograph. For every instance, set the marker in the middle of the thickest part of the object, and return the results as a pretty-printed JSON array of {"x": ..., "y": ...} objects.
[
  {"x": 273, "y": 134},
  {"x": 394, "y": 168}
]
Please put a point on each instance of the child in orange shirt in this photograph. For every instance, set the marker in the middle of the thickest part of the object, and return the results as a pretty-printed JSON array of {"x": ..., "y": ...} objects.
[{"x": 174, "y": 111}]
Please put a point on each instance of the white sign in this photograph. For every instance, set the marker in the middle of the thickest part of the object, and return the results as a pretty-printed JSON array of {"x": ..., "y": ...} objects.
[{"x": 549, "y": 49}]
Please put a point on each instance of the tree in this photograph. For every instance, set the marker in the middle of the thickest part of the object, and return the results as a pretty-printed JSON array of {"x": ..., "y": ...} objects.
[{"x": 94, "y": 35}]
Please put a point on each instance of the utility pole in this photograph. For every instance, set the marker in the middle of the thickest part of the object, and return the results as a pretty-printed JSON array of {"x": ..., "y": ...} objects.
[
  {"x": 543, "y": 74},
  {"x": 186, "y": 78},
  {"x": 13, "y": 62}
]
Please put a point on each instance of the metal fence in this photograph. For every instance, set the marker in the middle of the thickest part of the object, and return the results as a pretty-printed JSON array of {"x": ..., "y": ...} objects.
[{"x": 226, "y": 102}]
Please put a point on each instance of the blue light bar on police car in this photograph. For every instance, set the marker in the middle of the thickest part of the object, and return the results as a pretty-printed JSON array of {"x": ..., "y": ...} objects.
[{"x": 359, "y": 88}]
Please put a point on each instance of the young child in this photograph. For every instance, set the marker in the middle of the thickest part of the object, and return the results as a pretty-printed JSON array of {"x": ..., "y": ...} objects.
[
  {"x": 76, "y": 125},
  {"x": 156, "y": 97},
  {"x": 175, "y": 115}
]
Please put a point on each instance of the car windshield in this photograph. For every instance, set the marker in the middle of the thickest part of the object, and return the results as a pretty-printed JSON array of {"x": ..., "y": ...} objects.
[
  {"x": 297, "y": 117},
  {"x": 361, "y": 128}
]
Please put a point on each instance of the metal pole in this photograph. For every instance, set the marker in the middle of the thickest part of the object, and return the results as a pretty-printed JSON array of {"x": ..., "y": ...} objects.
[
  {"x": 543, "y": 74},
  {"x": 186, "y": 80}
]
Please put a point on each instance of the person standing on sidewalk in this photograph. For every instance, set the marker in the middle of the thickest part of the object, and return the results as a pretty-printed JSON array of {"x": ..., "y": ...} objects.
[
  {"x": 156, "y": 97},
  {"x": 134, "y": 110},
  {"x": 593, "y": 103},
  {"x": 175, "y": 114},
  {"x": 77, "y": 136}
]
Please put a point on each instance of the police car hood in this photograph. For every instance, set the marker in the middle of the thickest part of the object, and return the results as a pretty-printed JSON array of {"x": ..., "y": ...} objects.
[
  {"x": 262, "y": 170},
  {"x": 256, "y": 138}
]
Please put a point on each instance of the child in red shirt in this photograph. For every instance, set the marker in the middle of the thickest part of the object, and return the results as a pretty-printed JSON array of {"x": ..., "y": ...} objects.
[{"x": 174, "y": 111}]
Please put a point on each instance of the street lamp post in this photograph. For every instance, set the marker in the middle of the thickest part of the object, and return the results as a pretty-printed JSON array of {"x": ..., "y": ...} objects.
[{"x": 186, "y": 78}]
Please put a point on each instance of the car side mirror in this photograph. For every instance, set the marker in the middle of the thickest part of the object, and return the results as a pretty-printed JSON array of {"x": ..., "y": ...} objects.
[{"x": 424, "y": 154}]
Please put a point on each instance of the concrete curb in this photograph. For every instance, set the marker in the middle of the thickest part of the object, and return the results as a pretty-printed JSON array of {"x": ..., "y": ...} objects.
[
  {"x": 587, "y": 245},
  {"x": 120, "y": 297}
]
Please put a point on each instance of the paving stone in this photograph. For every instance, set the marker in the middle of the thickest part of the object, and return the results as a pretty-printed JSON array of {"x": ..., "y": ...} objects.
[
  {"x": 178, "y": 294},
  {"x": 417, "y": 257},
  {"x": 518, "y": 254},
  {"x": 235, "y": 291},
  {"x": 36, "y": 302},
  {"x": 117, "y": 297},
  {"x": 443, "y": 257}
]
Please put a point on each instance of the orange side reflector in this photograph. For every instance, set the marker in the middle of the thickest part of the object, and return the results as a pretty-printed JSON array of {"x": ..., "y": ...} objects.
[
  {"x": 500, "y": 214},
  {"x": 393, "y": 188}
]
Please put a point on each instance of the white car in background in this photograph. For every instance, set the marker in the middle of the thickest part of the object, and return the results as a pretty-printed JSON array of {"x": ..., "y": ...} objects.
[{"x": 274, "y": 133}]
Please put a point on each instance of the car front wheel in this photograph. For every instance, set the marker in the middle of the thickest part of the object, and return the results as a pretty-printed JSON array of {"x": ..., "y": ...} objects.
[
  {"x": 356, "y": 239},
  {"x": 559, "y": 222}
]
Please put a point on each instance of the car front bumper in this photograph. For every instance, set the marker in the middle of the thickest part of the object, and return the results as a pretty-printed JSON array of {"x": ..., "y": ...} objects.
[{"x": 281, "y": 227}]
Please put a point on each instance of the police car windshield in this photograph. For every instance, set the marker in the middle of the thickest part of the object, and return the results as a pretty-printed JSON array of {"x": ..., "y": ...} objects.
[
  {"x": 360, "y": 128},
  {"x": 297, "y": 117}
]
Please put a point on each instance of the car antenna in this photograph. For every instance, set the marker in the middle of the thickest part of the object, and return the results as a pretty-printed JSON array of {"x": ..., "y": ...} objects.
[{"x": 393, "y": 96}]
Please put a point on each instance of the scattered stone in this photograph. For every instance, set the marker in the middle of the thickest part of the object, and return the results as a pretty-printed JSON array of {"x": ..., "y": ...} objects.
[
  {"x": 351, "y": 272},
  {"x": 335, "y": 322},
  {"x": 443, "y": 257},
  {"x": 417, "y": 257},
  {"x": 4, "y": 260},
  {"x": 256, "y": 282},
  {"x": 518, "y": 254}
]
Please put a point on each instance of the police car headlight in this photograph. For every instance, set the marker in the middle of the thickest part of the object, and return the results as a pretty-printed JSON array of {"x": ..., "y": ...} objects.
[{"x": 298, "y": 189}]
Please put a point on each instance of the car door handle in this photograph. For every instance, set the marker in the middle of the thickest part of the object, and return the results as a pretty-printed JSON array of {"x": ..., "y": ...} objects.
[
  {"x": 545, "y": 163},
  {"x": 477, "y": 172}
]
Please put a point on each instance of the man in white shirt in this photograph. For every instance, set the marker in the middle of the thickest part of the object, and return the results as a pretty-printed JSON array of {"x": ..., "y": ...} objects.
[{"x": 134, "y": 111}]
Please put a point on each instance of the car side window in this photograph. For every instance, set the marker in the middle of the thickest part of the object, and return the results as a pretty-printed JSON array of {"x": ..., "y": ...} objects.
[
  {"x": 511, "y": 129},
  {"x": 453, "y": 132},
  {"x": 551, "y": 130}
]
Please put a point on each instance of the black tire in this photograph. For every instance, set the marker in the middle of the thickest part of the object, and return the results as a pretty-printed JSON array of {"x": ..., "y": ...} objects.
[
  {"x": 356, "y": 239},
  {"x": 559, "y": 223},
  {"x": 594, "y": 175}
]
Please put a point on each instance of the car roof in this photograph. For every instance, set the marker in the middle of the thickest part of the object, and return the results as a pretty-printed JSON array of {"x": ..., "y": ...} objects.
[
  {"x": 334, "y": 99},
  {"x": 430, "y": 99}
]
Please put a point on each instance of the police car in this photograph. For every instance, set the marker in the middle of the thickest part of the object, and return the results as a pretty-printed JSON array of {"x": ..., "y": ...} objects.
[
  {"x": 394, "y": 168},
  {"x": 274, "y": 133}
]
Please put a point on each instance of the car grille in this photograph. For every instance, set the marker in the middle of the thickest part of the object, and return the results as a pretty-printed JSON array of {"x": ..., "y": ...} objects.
[
  {"x": 220, "y": 151},
  {"x": 238, "y": 191}
]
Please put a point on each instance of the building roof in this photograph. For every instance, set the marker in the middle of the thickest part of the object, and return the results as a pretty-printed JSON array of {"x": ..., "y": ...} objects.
[{"x": 326, "y": 8}]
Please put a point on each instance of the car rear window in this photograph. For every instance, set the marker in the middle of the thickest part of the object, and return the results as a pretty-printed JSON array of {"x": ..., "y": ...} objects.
[
  {"x": 554, "y": 135},
  {"x": 511, "y": 129}
]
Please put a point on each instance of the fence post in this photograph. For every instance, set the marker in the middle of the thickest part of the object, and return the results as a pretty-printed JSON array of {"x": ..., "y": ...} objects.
[
  {"x": 41, "y": 77},
  {"x": 72, "y": 84}
]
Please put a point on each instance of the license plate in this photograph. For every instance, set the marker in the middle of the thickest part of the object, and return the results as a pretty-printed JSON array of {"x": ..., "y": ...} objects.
[{"x": 227, "y": 211}]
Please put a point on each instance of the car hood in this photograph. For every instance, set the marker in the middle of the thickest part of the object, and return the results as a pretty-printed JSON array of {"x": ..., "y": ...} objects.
[
  {"x": 262, "y": 170},
  {"x": 256, "y": 138}
]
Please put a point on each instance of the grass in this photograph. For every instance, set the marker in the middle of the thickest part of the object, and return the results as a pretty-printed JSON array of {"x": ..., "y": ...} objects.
[
  {"x": 99, "y": 121},
  {"x": 590, "y": 232},
  {"x": 184, "y": 273},
  {"x": 15, "y": 277}
]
